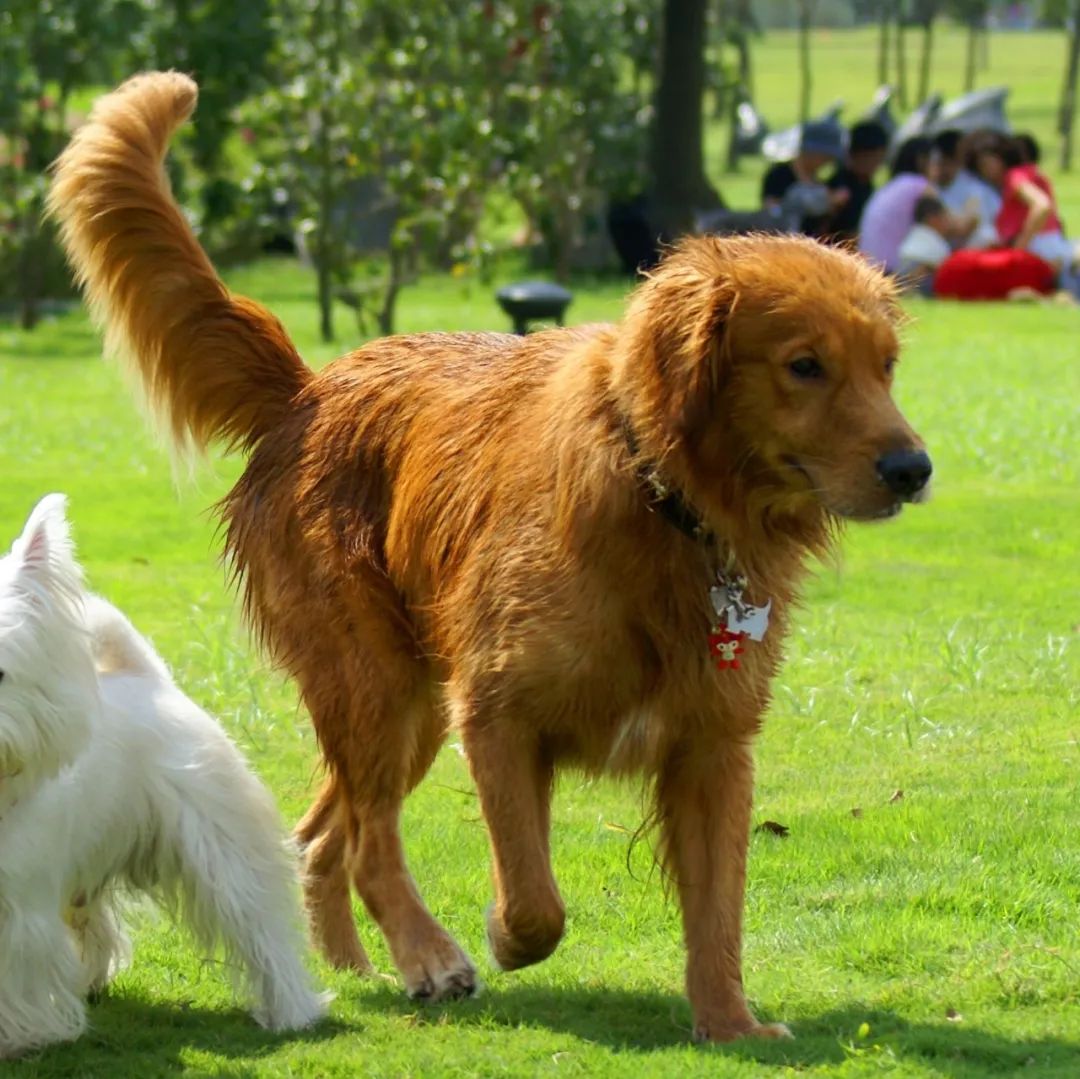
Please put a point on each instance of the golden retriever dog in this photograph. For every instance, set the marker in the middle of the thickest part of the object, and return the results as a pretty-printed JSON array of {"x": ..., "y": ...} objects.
[{"x": 565, "y": 547}]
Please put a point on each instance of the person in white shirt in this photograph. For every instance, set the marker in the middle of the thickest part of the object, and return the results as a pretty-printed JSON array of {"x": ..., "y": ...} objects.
[
  {"x": 963, "y": 192},
  {"x": 926, "y": 245}
]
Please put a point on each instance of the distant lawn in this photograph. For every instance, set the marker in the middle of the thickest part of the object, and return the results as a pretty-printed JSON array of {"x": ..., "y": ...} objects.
[{"x": 931, "y": 932}]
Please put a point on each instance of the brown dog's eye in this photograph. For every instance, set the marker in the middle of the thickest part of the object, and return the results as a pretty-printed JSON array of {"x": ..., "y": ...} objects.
[
  {"x": 806, "y": 368},
  {"x": 890, "y": 365}
]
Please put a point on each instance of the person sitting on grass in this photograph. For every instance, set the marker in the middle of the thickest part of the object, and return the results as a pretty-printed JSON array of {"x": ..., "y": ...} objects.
[
  {"x": 1028, "y": 218},
  {"x": 926, "y": 245},
  {"x": 962, "y": 191},
  {"x": 890, "y": 213},
  {"x": 797, "y": 184},
  {"x": 1028, "y": 148},
  {"x": 868, "y": 146}
]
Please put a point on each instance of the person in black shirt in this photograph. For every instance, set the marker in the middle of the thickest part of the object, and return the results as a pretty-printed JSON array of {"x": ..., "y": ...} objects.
[
  {"x": 867, "y": 149},
  {"x": 820, "y": 142}
]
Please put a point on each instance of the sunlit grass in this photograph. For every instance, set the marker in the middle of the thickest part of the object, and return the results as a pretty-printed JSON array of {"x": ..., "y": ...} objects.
[{"x": 920, "y": 919}]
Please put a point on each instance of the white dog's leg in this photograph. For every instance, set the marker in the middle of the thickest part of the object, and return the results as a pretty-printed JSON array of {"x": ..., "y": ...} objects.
[
  {"x": 102, "y": 943},
  {"x": 240, "y": 884},
  {"x": 40, "y": 980}
]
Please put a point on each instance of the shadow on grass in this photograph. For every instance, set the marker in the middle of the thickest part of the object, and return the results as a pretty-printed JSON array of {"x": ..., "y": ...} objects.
[
  {"x": 648, "y": 1022},
  {"x": 131, "y": 1037}
]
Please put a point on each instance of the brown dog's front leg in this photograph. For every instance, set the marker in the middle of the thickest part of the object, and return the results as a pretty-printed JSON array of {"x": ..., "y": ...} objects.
[
  {"x": 514, "y": 782},
  {"x": 704, "y": 800}
]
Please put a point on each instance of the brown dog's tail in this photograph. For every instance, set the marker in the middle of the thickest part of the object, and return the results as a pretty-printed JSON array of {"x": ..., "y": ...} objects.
[{"x": 211, "y": 365}]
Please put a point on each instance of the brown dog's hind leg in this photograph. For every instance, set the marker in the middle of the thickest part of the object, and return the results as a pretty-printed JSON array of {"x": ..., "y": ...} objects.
[
  {"x": 431, "y": 964},
  {"x": 321, "y": 837},
  {"x": 514, "y": 778},
  {"x": 704, "y": 798},
  {"x": 385, "y": 758}
]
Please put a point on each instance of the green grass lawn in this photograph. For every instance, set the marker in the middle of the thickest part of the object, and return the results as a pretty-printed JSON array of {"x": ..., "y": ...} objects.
[{"x": 928, "y": 933}]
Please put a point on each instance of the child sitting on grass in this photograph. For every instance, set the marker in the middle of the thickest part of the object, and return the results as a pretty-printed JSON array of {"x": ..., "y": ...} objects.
[{"x": 926, "y": 245}]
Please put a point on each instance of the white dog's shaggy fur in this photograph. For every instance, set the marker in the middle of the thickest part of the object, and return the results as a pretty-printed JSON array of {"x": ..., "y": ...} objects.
[{"x": 110, "y": 778}]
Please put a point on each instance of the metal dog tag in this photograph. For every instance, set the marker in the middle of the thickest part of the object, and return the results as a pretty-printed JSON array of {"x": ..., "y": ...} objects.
[
  {"x": 721, "y": 601},
  {"x": 751, "y": 620}
]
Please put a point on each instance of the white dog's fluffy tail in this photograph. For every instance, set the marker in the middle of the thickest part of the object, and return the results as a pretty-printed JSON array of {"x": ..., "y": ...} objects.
[
  {"x": 239, "y": 888},
  {"x": 235, "y": 876},
  {"x": 117, "y": 645}
]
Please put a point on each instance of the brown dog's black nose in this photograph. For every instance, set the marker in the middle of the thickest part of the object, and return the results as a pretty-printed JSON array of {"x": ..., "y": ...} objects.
[{"x": 905, "y": 472}]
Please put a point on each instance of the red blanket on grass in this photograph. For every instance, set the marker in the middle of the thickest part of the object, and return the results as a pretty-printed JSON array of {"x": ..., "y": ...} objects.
[{"x": 991, "y": 274}]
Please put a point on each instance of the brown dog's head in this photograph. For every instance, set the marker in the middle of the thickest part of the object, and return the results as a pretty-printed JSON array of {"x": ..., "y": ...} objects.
[{"x": 760, "y": 368}]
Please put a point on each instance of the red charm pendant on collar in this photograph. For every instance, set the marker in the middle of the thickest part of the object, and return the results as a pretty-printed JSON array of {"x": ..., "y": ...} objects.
[
  {"x": 736, "y": 620},
  {"x": 725, "y": 647}
]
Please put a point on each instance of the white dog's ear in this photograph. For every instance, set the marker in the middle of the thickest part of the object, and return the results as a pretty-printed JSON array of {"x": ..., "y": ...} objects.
[{"x": 44, "y": 548}]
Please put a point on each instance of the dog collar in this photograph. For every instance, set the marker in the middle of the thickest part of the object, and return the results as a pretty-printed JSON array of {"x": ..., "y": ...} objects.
[
  {"x": 669, "y": 502},
  {"x": 735, "y": 620}
]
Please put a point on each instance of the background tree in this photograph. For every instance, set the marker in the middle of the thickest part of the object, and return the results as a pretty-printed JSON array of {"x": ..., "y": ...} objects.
[
  {"x": 885, "y": 14},
  {"x": 1054, "y": 13},
  {"x": 806, "y": 19},
  {"x": 737, "y": 26},
  {"x": 1067, "y": 108},
  {"x": 226, "y": 48},
  {"x": 899, "y": 17},
  {"x": 383, "y": 142},
  {"x": 48, "y": 49},
  {"x": 925, "y": 12},
  {"x": 678, "y": 160},
  {"x": 576, "y": 133},
  {"x": 972, "y": 13},
  {"x": 312, "y": 128}
]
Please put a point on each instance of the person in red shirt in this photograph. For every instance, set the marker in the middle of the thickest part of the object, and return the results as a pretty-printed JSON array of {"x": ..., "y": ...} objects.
[{"x": 1028, "y": 218}]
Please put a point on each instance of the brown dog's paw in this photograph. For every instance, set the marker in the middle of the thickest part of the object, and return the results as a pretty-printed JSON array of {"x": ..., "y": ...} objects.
[
  {"x": 445, "y": 974},
  {"x": 530, "y": 944},
  {"x": 346, "y": 954},
  {"x": 729, "y": 1032}
]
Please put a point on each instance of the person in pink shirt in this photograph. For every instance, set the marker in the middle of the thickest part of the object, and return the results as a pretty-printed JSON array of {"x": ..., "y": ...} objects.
[{"x": 890, "y": 213}]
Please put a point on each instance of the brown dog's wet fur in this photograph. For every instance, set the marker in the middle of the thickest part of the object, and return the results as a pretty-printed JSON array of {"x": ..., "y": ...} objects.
[{"x": 449, "y": 531}]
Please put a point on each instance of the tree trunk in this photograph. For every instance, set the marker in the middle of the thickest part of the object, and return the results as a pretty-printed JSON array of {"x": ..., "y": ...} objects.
[
  {"x": 972, "y": 47},
  {"x": 678, "y": 160},
  {"x": 1067, "y": 111},
  {"x": 395, "y": 279},
  {"x": 804, "y": 60},
  {"x": 31, "y": 262},
  {"x": 927, "y": 49},
  {"x": 745, "y": 15},
  {"x": 323, "y": 238},
  {"x": 901, "y": 59},
  {"x": 733, "y": 133},
  {"x": 324, "y": 241},
  {"x": 883, "y": 44}
]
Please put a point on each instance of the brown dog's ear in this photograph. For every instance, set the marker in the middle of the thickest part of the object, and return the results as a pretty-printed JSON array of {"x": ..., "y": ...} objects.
[
  {"x": 696, "y": 364},
  {"x": 673, "y": 353}
]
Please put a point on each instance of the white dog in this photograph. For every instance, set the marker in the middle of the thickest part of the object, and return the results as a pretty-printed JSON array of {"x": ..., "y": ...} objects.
[{"x": 110, "y": 778}]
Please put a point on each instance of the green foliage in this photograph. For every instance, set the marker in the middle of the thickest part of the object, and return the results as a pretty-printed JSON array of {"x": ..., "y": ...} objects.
[
  {"x": 48, "y": 48},
  {"x": 398, "y": 97},
  {"x": 970, "y": 12},
  {"x": 1055, "y": 12},
  {"x": 225, "y": 47},
  {"x": 421, "y": 116},
  {"x": 576, "y": 133}
]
